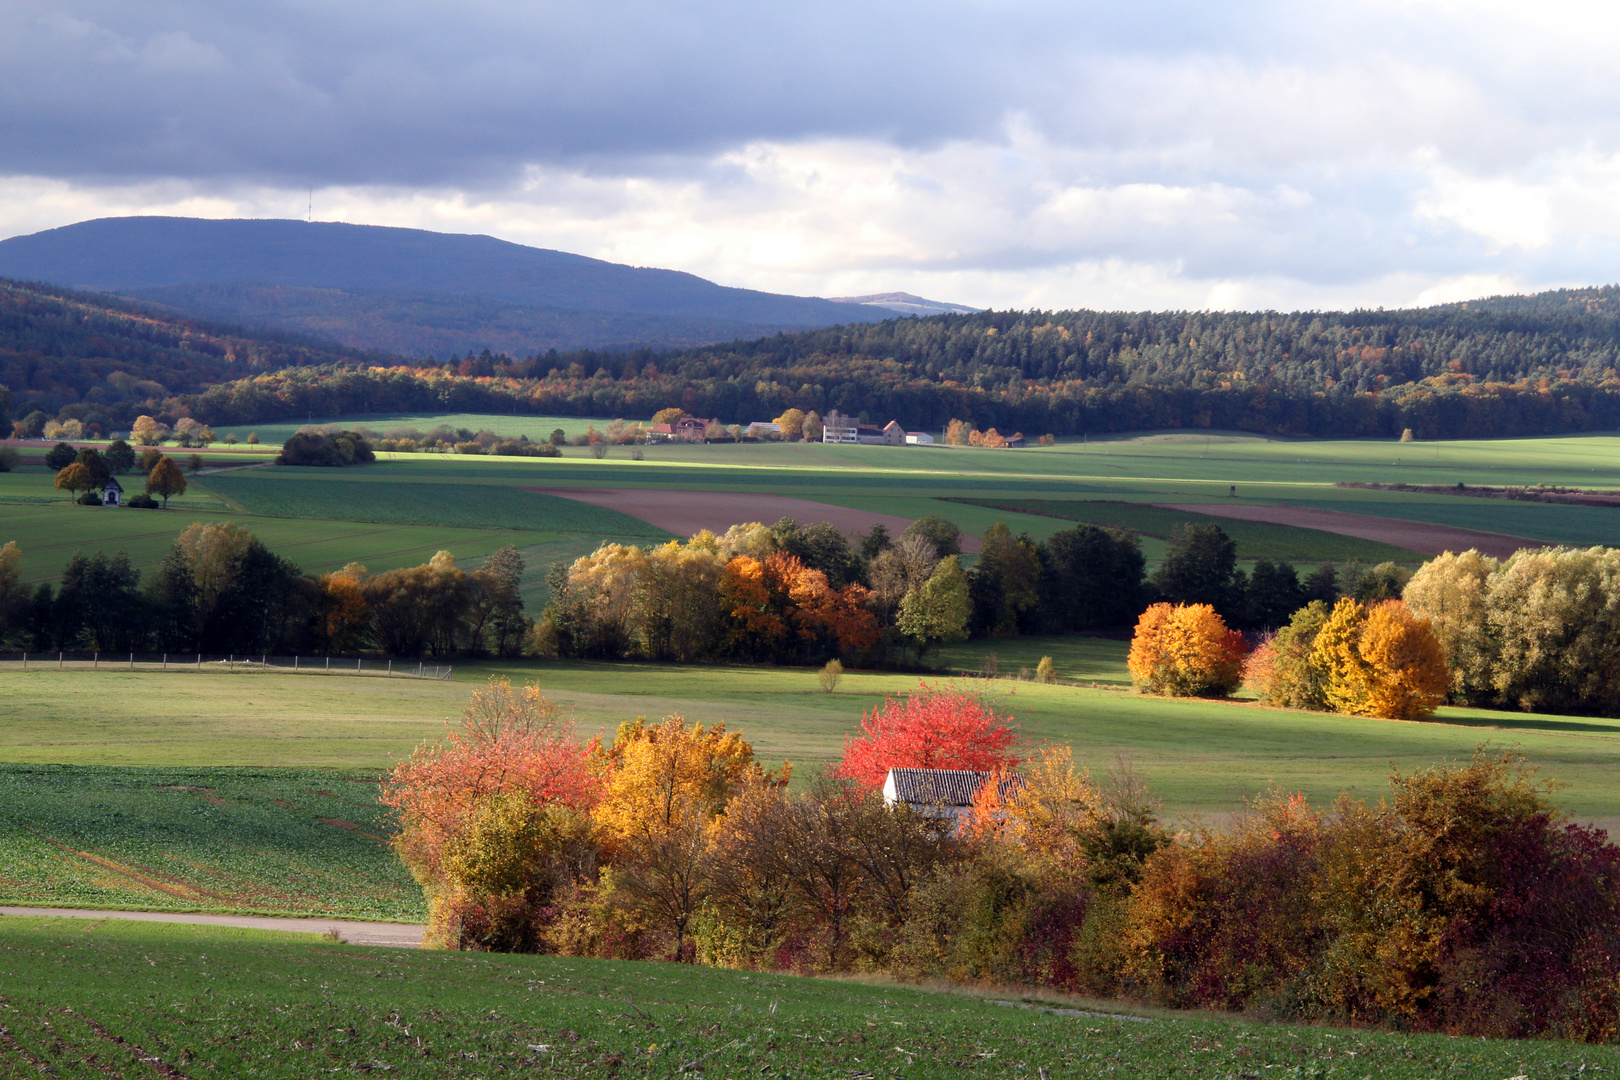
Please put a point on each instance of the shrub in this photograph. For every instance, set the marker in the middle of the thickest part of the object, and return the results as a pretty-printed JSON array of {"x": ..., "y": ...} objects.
[
  {"x": 1280, "y": 670},
  {"x": 90, "y": 498},
  {"x": 142, "y": 501},
  {"x": 1185, "y": 650},
  {"x": 8, "y": 458},
  {"x": 830, "y": 674},
  {"x": 1046, "y": 671}
]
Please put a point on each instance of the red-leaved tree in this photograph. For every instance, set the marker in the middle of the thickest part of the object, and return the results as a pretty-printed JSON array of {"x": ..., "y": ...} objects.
[
  {"x": 510, "y": 743},
  {"x": 934, "y": 728}
]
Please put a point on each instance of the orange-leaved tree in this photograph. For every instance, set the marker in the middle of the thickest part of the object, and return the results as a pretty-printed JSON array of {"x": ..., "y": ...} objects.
[
  {"x": 935, "y": 727},
  {"x": 1185, "y": 650},
  {"x": 345, "y": 615},
  {"x": 667, "y": 783},
  {"x": 516, "y": 745},
  {"x": 1381, "y": 661}
]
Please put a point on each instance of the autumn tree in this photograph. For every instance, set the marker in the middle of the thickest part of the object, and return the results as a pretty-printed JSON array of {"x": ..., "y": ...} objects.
[
  {"x": 147, "y": 431},
  {"x": 509, "y": 743},
  {"x": 1282, "y": 670},
  {"x": 1185, "y": 650},
  {"x": 345, "y": 616},
  {"x": 667, "y": 416},
  {"x": 667, "y": 783},
  {"x": 165, "y": 479},
  {"x": 73, "y": 479},
  {"x": 934, "y": 727},
  {"x": 1406, "y": 662},
  {"x": 792, "y": 425},
  {"x": 1451, "y": 591},
  {"x": 813, "y": 427},
  {"x": 1553, "y": 616}
]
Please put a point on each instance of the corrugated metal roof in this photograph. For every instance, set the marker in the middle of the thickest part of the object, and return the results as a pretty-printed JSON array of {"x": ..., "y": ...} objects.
[{"x": 945, "y": 787}]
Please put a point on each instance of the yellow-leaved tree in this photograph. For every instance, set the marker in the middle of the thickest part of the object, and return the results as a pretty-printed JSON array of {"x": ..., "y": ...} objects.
[
  {"x": 1185, "y": 650},
  {"x": 1380, "y": 661},
  {"x": 668, "y": 782}
]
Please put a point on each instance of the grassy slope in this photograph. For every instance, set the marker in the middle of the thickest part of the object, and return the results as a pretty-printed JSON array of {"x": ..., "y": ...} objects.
[
  {"x": 1200, "y": 757},
  {"x": 223, "y": 1002}
]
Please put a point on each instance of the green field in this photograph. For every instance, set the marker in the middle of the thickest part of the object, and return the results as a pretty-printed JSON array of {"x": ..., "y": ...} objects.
[
  {"x": 266, "y": 841},
  {"x": 1201, "y": 757},
  {"x": 535, "y": 427},
  {"x": 89, "y": 1000}
]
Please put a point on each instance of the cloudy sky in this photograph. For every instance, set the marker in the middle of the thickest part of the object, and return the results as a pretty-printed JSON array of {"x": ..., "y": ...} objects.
[{"x": 1015, "y": 153}]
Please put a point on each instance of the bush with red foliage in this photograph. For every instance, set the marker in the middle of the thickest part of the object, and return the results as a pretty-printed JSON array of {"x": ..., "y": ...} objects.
[{"x": 936, "y": 727}]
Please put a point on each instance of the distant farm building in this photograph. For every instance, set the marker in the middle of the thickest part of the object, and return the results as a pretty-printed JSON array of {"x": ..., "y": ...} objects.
[
  {"x": 686, "y": 429},
  {"x": 918, "y": 438},
  {"x": 838, "y": 428},
  {"x": 111, "y": 492},
  {"x": 942, "y": 793},
  {"x": 760, "y": 429}
]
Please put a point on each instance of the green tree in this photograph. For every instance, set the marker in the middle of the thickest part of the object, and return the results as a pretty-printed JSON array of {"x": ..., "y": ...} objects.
[
  {"x": 61, "y": 456},
  {"x": 97, "y": 465},
  {"x": 165, "y": 479},
  {"x": 1005, "y": 583},
  {"x": 1093, "y": 579},
  {"x": 937, "y": 611},
  {"x": 120, "y": 456},
  {"x": 1200, "y": 568},
  {"x": 945, "y": 536}
]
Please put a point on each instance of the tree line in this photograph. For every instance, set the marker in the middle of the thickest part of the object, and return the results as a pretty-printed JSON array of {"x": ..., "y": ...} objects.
[
  {"x": 1463, "y": 904},
  {"x": 219, "y": 589}
]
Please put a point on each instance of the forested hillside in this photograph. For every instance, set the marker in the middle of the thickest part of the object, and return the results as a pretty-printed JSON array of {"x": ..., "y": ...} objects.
[
  {"x": 90, "y": 358},
  {"x": 1503, "y": 366},
  {"x": 1513, "y": 365}
]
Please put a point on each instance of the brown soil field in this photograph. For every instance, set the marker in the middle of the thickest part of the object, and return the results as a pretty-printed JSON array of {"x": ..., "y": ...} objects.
[
  {"x": 686, "y": 512},
  {"x": 1413, "y": 535}
]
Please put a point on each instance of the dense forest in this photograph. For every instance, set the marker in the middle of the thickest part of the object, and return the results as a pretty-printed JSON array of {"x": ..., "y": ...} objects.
[{"x": 1504, "y": 366}]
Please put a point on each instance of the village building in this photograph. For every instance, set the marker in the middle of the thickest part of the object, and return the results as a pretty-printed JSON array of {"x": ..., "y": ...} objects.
[
  {"x": 686, "y": 429},
  {"x": 111, "y": 491},
  {"x": 942, "y": 793},
  {"x": 919, "y": 438},
  {"x": 761, "y": 429}
]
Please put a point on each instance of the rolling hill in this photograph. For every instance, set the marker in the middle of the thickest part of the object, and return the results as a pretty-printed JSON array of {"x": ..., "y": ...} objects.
[{"x": 407, "y": 291}]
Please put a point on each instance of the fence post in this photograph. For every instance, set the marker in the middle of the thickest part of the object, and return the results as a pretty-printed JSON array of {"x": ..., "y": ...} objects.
[
  {"x": 264, "y": 660},
  {"x": 295, "y": 663},
  {"x": 59, "y": 661},
  {"x": 95, "y": 662},
  {"x": 390, "y": 667},
  {"x": 132, "y": 661},
  {"x": 165, "y": 661},
  {"x": 25, "y": 661},
  {"x": 357, "y": 665},
  {"x": 199, "y": 661},
  {"x": 329, "y": 662}
]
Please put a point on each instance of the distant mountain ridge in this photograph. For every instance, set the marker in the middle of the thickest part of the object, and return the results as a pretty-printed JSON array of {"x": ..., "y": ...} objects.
[
  {"x": 906, "y": 304},
  {"x": 409, "y": 291}
]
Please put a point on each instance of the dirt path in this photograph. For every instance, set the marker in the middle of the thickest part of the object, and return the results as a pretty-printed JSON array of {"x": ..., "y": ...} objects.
[
  {"x": 686, "y": 512},
  {"x": 396, "y": 935},
  {"x": 1416, "y": 536}
]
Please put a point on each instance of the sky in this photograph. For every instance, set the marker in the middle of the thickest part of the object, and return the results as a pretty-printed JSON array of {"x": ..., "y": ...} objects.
[{"x": 1148, "y": 154}]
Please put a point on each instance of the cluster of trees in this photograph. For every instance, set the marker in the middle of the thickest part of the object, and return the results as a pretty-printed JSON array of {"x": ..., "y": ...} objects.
[
  {"x": 787, "y": 593},
  {"x": 219, "y": 590},
  {"x": 87, "y": 470},
  {"x": 326, "y": 449},
  {"x": 1362, "y": 659},
  {"x": 1464, "y": 904},
  {"x": 1539, "y": 631}
]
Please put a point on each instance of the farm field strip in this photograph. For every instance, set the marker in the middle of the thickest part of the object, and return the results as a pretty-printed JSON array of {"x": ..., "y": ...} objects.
[
  {"x": 1200, "y": 757},
  {"x": 277, "y": 842},
  {"x": 229, "y": 1002}
]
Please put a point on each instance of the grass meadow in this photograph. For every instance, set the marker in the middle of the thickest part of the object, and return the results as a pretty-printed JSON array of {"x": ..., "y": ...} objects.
[{"x": 96, "y": 999}]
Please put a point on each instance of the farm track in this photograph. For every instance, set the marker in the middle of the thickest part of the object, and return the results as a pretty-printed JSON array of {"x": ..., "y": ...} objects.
[{"x": 354, "y": 932}]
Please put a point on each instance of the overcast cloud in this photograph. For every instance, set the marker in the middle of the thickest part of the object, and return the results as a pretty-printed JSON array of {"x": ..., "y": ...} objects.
[{"x": 1052, "y": 154}]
